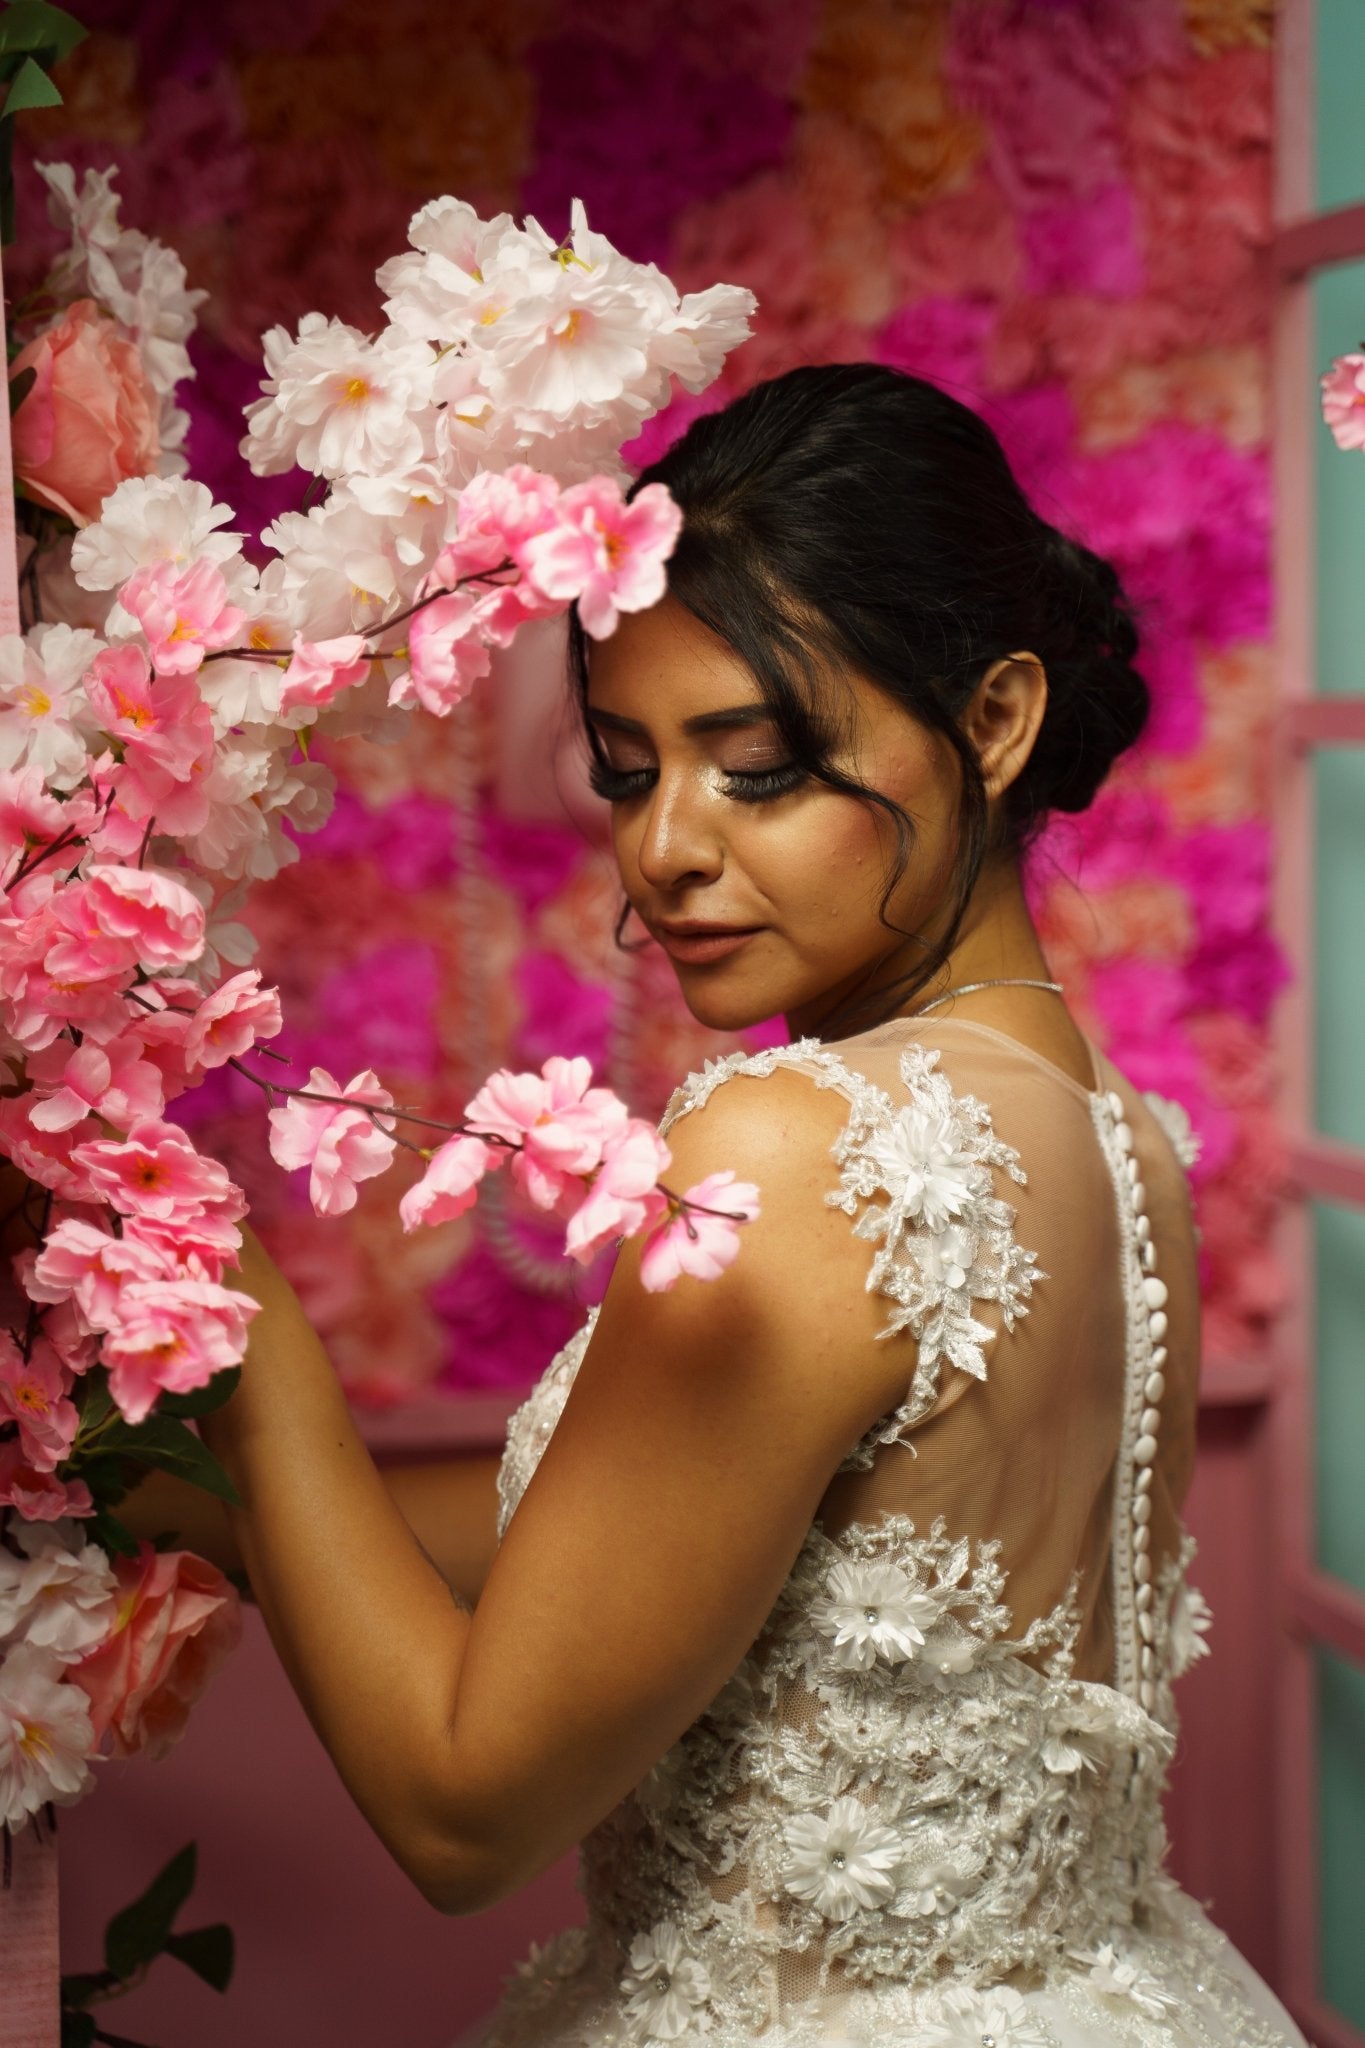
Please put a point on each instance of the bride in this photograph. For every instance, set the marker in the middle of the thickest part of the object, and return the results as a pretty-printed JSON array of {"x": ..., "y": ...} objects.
[{"x": 834, "y": 1606}]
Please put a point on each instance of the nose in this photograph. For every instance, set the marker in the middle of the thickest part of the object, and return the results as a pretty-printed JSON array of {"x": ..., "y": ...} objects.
[{"x": 680, "y": 842}]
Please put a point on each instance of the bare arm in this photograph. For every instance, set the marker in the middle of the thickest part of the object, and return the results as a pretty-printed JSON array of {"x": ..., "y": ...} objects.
[
  {"x": 700, "y": 1434},
  {"x": 450, "y": 1505}
]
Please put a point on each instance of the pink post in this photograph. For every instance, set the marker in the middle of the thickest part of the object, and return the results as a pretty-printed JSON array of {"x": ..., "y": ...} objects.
[{"x": 30, "y": 1968}]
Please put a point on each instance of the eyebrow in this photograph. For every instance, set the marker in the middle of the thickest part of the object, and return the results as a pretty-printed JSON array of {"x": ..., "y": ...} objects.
[{"x": 736, "y": 718}]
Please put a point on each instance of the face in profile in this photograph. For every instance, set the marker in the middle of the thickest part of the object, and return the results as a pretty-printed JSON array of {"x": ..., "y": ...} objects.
[{"x": 767, "y": 889}]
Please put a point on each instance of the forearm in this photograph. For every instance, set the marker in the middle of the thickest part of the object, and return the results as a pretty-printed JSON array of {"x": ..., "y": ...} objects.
[{"x": 362, "y": 1621}]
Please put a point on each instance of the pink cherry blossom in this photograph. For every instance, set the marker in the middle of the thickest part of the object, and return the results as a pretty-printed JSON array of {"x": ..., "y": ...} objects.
[
  {"x": 451, "y": 1182},
  {"x": 110, "y": 1080},
  {"x": 1343, "y": 400},
  {"x": 183, "y": 611},
  {"x": 703, "y": 1245},
  {"x": 500, "y": 512},
  {"x": 32, "y": 816},
  {"x": 39, "y": 1496},
  {"x": 154, "y": 915},
  {"x": 91, "y": 1266},
  {"x": 230, "y": 1021},
  {"x": 446, "y": 654},
  {"x": 57, "y": 1593},
  {"x": 561, "y": 1123},
  {"x": 340, "y": 1146},
  {"x": 34, "y": 1393},
  {"x": 624, "y": 1195},
  {"x": 171, "y": 1336},
  {"x": 45, "y": 1736},
  {"x": 45, "y": 1156},
  {"x": 321, "y": 669},
  {"x": 164, "y": 734},
  {"x": 606, "y": 554},
  {"x": 156, "y": 1172}
]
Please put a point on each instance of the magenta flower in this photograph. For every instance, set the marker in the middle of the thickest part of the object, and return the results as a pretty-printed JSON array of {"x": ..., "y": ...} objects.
[
  {"x": 183, "y": 612},
  {"x": 172, "y": 1336},
  {"x": 604, "y": 553},
  {"x": 321, "y": 669},
  {"x": 560, "y": 1122},
  {"x": 450, "y": 1184},
  {"x": 1343, "y": 400},
  {"x": 34, "y": 1393},
  {"x": 624, "y": 1195},
  {"x": 155, "y": 1171},
  {"x": 340, "y": 1145},
  {"x": 702, "y": 1245}
]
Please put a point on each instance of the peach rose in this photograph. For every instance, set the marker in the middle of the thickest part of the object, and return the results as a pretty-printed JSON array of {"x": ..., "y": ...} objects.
[
  {"x": 90, "y": 418},
  {"x": 176, "y": 1621}
]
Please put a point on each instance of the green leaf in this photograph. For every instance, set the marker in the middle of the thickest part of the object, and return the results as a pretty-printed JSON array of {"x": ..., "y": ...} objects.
[
  {"x": 106, "y": 1530},
  {"x": 20, "y": 386},
  {"x": 31, "y": 87},
  {"x": 204, "y": 1400},
  {"x": 165, "y": 1442},
  {"x": 140, "y": 1932},
  {"x": 34, "y": 25},
  {"x": 208, "y": 1951},
  {"x": 77, "y": 1991},
  {"x": 78, "y": 2029}
]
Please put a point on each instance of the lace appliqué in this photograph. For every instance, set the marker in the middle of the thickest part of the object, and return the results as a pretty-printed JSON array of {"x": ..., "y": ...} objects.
[{"x": 1174, "y": 1119}]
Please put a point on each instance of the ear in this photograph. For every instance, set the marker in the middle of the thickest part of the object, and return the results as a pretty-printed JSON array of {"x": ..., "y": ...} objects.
[{"x": 1003, "y": 717}]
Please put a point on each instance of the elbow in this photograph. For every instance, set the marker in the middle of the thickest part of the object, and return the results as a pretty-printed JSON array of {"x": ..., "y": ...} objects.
[{"x": 459, "y": 1877}]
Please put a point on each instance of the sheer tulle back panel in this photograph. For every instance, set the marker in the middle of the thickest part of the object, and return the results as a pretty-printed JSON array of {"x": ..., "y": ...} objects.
[{"x": 1029, "y": 1456}]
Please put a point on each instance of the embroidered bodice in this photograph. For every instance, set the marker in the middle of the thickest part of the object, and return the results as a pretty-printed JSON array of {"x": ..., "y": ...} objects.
[{"x": 927, "y": 1806}]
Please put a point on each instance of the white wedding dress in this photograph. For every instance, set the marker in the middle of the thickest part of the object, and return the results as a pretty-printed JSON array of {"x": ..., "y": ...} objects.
[{"x": 926, "y": 1809}]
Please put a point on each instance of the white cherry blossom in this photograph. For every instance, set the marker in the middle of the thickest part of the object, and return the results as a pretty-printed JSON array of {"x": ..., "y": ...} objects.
[
  {"x": 434, "y": 287},
  {"x": 45, "y": 1736},
  {"x": 872, "y": 1610},
  {"x": 60, "y": 1594},
  {"x": 334, "y": 401},
  {"x": 665, "y": 1988},
  {"x": 45, "y": 717},
  {"x": 841, "y": 1860},
  {"x": 151, "y": 519}
]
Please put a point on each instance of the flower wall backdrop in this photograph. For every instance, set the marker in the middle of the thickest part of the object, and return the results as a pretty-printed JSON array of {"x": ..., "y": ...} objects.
[{"x": 1059, "y": 209}]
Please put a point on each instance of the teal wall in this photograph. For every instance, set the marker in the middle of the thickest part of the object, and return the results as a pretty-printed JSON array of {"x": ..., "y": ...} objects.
[{"x": 1339, "y": 943}]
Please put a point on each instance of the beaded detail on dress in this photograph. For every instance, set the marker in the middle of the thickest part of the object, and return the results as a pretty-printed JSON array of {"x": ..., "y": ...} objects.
[{"x": 904, "y": 1819}]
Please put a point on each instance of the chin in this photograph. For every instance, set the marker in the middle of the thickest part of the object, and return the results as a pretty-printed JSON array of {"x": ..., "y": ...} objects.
[{"x": 732, "y": 1009}]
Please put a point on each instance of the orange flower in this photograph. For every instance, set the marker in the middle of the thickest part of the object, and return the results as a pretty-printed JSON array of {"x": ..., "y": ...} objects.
[
  {"x": 90, "y": 417},
  {"x": 177, "y": 1620}
]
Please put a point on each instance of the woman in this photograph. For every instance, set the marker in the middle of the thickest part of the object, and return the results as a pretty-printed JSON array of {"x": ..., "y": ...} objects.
[{"x": 837, "y": 1601}]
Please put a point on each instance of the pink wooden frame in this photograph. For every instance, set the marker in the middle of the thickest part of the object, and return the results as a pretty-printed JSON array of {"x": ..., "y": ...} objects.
[{"x": 1316, "y": 1611}]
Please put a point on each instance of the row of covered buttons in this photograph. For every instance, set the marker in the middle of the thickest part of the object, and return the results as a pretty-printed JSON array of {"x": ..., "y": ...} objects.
[{"x": 1144, "y": 1451}]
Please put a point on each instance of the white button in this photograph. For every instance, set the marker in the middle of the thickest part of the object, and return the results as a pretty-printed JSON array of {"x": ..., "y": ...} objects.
[
  {"x": 1137, "y": 1195},
  {"x": 1142, "y": 1539},
  {"x": 1115, "y": 1101},
  {"x": 1148, "y": 1256},
  {"x": 1133, "y": 1170},
  {"x": 1156, "y": 1326},
  {"x": 1142, "y": 1508},
  {"x": 1142, "y": 1570},
  {"x": 1142, "y": 1229},
  {"x": 1144, "y": 1598},
  {"x": 1154, "y": 1292},
  {"x": 1158, "y": 1357},
  {"x": 1156, "y": 1386},
  {"x": 1151, "y": 1421},
  {"x": 1146, "y": 1625},
  {"x": 1148, "y": 1694},
  {"x": 1144, "y": 1450},
  {"x": 1148, "y": 1657},
  {"x": 1123, "y": 1136}
]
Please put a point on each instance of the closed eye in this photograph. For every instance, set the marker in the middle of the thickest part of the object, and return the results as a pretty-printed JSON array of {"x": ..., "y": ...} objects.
[{"x": 745, "y": 786}]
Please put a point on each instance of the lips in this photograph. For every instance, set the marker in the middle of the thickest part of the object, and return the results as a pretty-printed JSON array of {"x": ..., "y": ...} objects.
[{"x": 697, "y": 945}]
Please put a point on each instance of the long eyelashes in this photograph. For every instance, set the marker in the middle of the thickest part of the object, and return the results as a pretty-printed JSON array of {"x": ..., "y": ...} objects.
[{"x": 752, "y": 786}]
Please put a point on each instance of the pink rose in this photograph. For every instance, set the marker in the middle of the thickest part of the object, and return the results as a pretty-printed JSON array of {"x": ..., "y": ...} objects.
[
  {"x": 176, "y": 1621},
  {"x": 91, "y": 417}
]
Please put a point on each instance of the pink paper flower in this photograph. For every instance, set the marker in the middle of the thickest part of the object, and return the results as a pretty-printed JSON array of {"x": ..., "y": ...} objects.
[
  {"x": 340, "y": 1146},
  {"x": 45, "y": 1736},
  {"x": 624, "y": 1195},
  {"x": 177, "y": 1620},
  {"x": 171, "y": 1336},
  {"x": 451, "y": 1182},
  {"x": 320, "y": 670},
  {"x": 702, "y": 1245},
  {"x": 34, "y": 1393},
  {"x": 155, "y": 1171},
  {"x": 39, "y": 1496},
  {"x": 1343, "y": 400},
  {"x": 606, "y": 554},
  {"x": 183, "y": 611},
  {"x": 561, "y": 1123}
]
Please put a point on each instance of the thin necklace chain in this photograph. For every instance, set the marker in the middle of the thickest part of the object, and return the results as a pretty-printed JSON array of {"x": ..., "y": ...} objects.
[{"x": 1000, "y": 981}]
